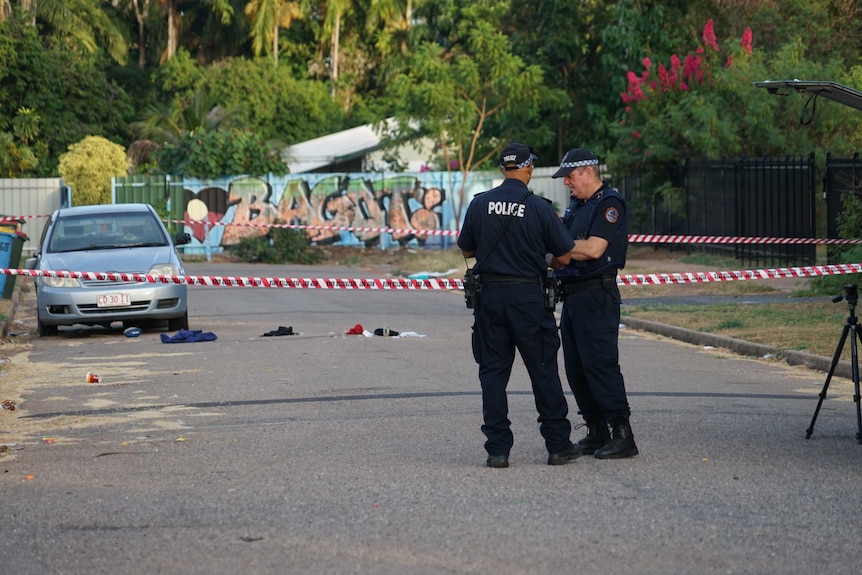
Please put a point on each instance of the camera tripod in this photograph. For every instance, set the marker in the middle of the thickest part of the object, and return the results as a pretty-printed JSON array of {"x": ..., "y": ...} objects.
[{"x": 851, "y": 328}]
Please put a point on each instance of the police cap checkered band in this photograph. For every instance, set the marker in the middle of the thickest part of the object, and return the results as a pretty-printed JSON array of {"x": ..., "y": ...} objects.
[
  {"x": 516, "y": 156},
  {"x": 575, "y": 158}
]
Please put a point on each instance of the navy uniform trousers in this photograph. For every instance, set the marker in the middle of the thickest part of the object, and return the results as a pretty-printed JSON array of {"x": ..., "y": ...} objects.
[
  {"x": 589, "y": 325},
  {"x": 512, "y": 315}
]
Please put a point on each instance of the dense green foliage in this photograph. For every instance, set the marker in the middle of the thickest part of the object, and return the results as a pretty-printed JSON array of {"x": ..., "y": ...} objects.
[
  {"x": 67, "y": 88},
  {"x": 217, "y": 154},
  {"x": 471, "y": 74},
  {"x": 272, "y": 103},
  {"x": 474, "y": 95}
]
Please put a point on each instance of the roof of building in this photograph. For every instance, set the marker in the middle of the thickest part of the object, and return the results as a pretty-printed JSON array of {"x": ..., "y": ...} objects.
[{"x": 332, "y": 148}]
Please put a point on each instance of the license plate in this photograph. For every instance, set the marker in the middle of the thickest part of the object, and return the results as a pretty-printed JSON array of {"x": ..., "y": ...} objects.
[{"x": 114, "y": 300}]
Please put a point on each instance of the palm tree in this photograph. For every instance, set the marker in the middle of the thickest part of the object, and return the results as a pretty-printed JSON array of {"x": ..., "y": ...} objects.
[
  {"x": 335, "y": 11},
  {"x": 267, "y": 17},
  {"x": 172, "y": 9},
  {"x": 390, "y": 24},
  {"x": 167, "y": 124},
  {"x": 162, "y": 124},
  {"x": 82, "y": 20},
  {"x": 397, "y": 19}
]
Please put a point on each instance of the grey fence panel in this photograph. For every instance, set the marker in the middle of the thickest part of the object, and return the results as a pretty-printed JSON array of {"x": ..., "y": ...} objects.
[{"x": 33, "y": 198}]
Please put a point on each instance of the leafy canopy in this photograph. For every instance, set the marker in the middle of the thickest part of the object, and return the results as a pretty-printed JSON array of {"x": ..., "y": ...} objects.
[
  {"x": 216, "y": 154},
  {"x": 472, "y": 95},
  {"x": 705, "y": 103}
]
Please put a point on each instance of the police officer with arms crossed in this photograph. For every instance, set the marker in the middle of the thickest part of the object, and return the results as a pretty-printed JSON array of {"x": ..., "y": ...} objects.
[
  {"x": 509, "y": 231},
  {"x": 597, "y": 220}
]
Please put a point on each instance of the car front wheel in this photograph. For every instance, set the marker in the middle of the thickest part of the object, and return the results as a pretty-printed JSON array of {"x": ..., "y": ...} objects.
[
  {"x": 47, "y": 330},
  {"x": 178, "y": 323}
]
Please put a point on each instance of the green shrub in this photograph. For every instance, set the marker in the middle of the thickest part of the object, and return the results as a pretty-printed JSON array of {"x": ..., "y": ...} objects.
[
  {"x": 849, "y": 226},
  {"x": 280, "y": 246},
  {"x": 88, "y": 167}
]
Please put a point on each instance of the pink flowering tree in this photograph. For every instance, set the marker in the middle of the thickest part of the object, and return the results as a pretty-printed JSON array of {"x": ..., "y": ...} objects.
[{"x": 704, "y": 104}]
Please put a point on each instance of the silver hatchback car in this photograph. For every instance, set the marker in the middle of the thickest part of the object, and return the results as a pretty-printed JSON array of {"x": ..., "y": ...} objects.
[{"x": 118, "y": 238}]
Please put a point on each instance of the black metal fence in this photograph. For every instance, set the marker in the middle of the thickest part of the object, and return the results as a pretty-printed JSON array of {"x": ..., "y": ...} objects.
[{"x": 737, "y": 197}]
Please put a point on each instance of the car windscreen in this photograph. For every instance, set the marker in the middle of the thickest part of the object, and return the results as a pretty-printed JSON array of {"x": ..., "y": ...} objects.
[{"x": 105, "y": 232}]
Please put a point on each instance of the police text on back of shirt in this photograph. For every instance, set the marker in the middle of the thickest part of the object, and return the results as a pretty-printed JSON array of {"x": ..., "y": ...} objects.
[{"x": 506, "y": 209}]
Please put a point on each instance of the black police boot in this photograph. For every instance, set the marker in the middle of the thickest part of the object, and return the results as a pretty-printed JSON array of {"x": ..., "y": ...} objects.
[
  {"x": 497, "y": 461},
  {"x": 597, "y": 436},
  {"x": 622, "y": 444},
  {"x": 570, "y": 454}
]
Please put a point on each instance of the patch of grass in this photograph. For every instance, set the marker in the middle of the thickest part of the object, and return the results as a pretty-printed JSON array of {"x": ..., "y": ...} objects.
[
  {"x": 730, "y": 324},
  {"x": 814, "y": 327},
  {"x": 704, "y": 259}
]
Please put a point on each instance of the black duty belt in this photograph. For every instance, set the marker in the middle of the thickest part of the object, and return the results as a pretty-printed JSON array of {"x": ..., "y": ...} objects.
[
  {"x": 570, "y": 287},
  {"x": 503, "y": 278}
]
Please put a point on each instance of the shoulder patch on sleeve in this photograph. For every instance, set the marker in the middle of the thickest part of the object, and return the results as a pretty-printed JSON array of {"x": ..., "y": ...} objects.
[{"x": 612, "y": 215}]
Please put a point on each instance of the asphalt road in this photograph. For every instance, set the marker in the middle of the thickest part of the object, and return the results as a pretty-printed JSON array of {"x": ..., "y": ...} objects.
[{"x": 332, "y": 453}]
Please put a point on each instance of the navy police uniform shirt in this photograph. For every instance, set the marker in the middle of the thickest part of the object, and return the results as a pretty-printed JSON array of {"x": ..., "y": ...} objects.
[
  {"x": 603, "y": 215},
  {"x": 534, "y": 230}
]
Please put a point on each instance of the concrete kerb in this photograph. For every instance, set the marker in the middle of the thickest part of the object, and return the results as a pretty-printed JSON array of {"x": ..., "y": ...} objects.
[{"x": 741, "y": 347}]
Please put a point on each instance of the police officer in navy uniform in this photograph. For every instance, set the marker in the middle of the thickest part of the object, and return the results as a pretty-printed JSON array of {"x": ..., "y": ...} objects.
[
  {"x": 510, "y": 231},
  {"x": 598, "y": 221}
]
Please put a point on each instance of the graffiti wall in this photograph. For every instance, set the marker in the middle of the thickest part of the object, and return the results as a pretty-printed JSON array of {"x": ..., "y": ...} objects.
[{"x": 223, "y": 212}]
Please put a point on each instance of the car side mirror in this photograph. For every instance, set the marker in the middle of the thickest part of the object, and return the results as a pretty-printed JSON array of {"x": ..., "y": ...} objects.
[
  {"x": 30, "y": 263},
  {"x": 183, "y": 238}
]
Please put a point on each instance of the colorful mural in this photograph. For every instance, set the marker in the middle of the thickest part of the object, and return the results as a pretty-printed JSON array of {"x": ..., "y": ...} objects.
[{"x": 395, "y": 201}]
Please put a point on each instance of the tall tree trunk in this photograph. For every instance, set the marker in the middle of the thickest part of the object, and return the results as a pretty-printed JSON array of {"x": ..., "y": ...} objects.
[
  {"x": 140, "y": 14},
  {"x": 275, "y": 41},
  {"x": 336, "y": 33},
  {"x": 30, "y": 6},
  {"x": 408, "y": 18},
  {"x": 173, "y": 25}
]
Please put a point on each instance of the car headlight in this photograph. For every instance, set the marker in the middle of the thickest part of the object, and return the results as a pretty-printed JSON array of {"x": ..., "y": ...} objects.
[
  {"x": 164, "y": 270},
  {"x": 58, "y": 282}
]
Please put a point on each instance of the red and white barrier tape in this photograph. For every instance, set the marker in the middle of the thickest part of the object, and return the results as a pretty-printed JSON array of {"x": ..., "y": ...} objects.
[
  {"x": 17, "y": 218},
  {"x": 776, "y": 273},
  {"x": 633, "y": 238},
  {"x": 432, "y": 283},
  {"x": 267, "y": 282},
  {"x": 670, "y": 239},
  {"x": 394, "y": 231}
]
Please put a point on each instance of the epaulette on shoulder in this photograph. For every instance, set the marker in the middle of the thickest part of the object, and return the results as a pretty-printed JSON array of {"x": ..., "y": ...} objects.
[{"x": 546, "y": 199}]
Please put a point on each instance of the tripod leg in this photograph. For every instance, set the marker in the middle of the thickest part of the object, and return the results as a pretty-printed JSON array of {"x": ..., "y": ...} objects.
[
  {"x": 832, "y": 367},
  {"x": 855, "y": 373}
]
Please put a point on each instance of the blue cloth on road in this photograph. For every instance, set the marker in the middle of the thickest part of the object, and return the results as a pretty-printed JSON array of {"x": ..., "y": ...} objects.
[{"x": 188, "y": 336}]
